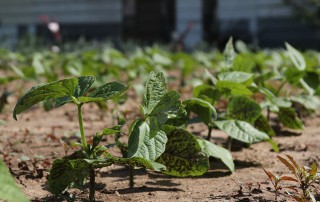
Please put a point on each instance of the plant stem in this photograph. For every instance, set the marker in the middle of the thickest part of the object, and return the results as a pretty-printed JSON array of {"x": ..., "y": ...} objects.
[
  {"x": 209, "y": 132},
  {"x": 280, "y": 87},
  {"x": 131, "y": 180},
  {"x": 268, "y": 113},
  {"x": 92, "y": 184},
  {"x": 83, "y": 137}
]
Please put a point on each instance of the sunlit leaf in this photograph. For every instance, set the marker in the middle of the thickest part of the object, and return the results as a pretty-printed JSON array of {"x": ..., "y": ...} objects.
[
  {"x": 142, "y": 145},
  {"x": 241, "y": 131},
  {"x": 217, "y": 152}
]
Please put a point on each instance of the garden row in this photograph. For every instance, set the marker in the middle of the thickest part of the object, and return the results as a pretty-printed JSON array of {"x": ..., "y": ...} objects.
[{"x": 250, "y": 96}]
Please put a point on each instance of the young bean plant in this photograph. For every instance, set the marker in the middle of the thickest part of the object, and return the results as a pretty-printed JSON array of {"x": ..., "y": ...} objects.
[{"x": 72, "y": 170}]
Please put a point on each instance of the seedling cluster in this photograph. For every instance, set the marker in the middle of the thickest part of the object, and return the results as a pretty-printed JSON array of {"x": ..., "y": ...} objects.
[{"x": 249, "y": 96}]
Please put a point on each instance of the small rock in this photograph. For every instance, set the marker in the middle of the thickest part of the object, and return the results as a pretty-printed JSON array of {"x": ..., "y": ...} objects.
[{"x": 117, "y": 193}]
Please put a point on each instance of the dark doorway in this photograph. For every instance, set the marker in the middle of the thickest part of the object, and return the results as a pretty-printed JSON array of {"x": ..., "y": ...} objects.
[
  {"x": 148, "y": 20},
  {"x": 209, "y": 20}
]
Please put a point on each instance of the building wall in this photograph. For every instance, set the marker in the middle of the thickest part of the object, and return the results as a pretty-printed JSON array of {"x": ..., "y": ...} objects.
[
  {"x": 189, "y": 11},
  {"x": 14, "y": 13},
  {"x": 264, "y": 22}
]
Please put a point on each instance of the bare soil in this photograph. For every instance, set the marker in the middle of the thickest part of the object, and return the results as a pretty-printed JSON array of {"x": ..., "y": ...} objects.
[{"x": 30, "y": 144}]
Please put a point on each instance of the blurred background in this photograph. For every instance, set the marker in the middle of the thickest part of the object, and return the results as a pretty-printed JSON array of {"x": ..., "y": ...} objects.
[{"x": 264, "y": 23}]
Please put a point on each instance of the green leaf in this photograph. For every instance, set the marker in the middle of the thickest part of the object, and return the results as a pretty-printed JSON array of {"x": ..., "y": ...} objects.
[
  {"x": 107, "y": 91},
  {"x": 68, "y": 172},
  {"x": 244, "y": 109},
  {"x": 229, "y": 54},
  {"x": 183, "y": 155},
  {"x": 243, "y": 63},
  {"x": 241, "y": 131},
  {"x": 293, "y": 75},
  {"x": 308, "y": 101},
  {"x": 167, "y": 107},
  {"x": 289, "y": 118},
  {"x": 207, "y": 93},
  {"x": 155, "y": 90},
  {"x": 142, "y": 145},
  {"x": 238, "y": 77},
  {"x": 312, "y": 79},
  {"x": 263, "y": 125},
  {"x": 84, "y": 83},
  {"x": 9, "y": 191},
  {"x": 58, "y": 89},
  {"x": 217, "y": 152},
  {"x": 233, "y": 88},
  {"x": 203, "y": 109},
  {"x": 107, "y": 131},
  {"x": 296, "y": 57}
]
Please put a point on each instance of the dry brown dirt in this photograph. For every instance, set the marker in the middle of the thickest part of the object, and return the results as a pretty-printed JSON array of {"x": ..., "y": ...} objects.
[{"x": 38, "y": 133}]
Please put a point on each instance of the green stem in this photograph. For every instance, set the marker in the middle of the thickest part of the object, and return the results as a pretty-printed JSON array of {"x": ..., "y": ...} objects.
[
  {"x": 280, "y": 87},
  {"x": 209, "y": 132},
  {"x": 92, "y": 184},
  {"x": 131, "y": 180},
  {"x": 83, "y": 137}
]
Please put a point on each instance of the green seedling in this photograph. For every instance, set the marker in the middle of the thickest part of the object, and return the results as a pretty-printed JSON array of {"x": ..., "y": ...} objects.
[{"x": 72, "y": 170}]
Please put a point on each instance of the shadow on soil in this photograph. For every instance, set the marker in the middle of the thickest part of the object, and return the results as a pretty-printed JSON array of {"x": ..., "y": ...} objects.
[{"x": 147, "y": 189}]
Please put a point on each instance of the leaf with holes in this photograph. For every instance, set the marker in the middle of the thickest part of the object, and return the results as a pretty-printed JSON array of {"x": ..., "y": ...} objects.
[
  {"x": 289, "y": 118},
  {"x": 244, "y": 109},
  {"x": 183, "y": 155}
]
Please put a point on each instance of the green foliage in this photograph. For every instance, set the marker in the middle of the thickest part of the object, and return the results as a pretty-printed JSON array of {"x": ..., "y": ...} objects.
[
  {"x": 229, "y": 54},
  {"x": 155, "y": 90},
  {"x": 238, "y": 77},
  {"x": 203, "y": 109},
  {"x": 218, "y": 152},
  {"x": 68, "y": 172},
  {"x": 9, "y": 191},
  {"x": 289, "y": 118},
  {"x": 233, "y": 88},
  {"x": 68, "y": 90},
  {"x": 296, "y": 57},
  {"x": 142, "y": 145},
  {"x": 241, "y": 131},
  {"x": 183, "y": 155},
  {"x": 262, "y": 124},
  {"x": 244, "y": 109}
]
